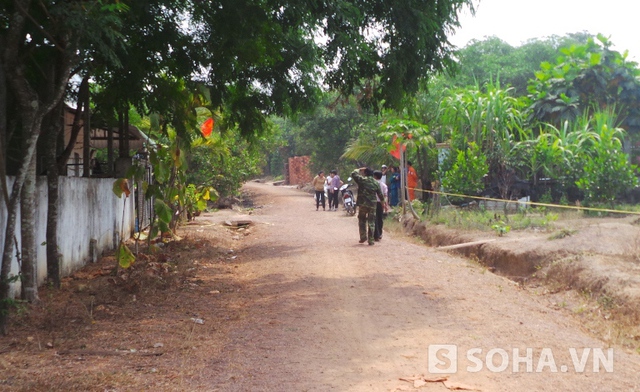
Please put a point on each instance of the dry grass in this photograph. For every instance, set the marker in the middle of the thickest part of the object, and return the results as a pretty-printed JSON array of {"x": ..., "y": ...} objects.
[
  {"x": 602, "y": 307},
  {"x": 108, "y": 329},
  {"x": 582, "y": 285}
]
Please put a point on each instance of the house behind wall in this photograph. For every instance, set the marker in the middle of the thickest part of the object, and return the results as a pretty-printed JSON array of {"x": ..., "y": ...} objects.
[{"x": 99, "y": 139}]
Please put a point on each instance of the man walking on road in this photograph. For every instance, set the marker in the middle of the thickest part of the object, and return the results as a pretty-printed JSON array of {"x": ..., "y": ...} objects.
[{"x": 368, "y": 189}]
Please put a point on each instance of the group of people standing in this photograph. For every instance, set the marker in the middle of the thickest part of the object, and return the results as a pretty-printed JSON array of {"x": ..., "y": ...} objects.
[
  {"x": 377, "y": 190},
  {"x": 391, "y": 177},
  {"x": 329, "y": 185}
]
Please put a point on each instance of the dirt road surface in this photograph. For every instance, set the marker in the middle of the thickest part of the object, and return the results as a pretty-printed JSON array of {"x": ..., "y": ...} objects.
[{"x": 325, "y": 313}]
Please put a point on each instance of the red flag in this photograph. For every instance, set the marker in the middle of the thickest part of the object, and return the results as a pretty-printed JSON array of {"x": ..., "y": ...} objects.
[
  {"x": 396, "y": 152},
  {"x": 207, "y": 127}
]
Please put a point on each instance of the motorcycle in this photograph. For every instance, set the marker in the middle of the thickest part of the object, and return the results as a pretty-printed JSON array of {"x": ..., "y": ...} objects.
[{"x": 347, "y": 198}]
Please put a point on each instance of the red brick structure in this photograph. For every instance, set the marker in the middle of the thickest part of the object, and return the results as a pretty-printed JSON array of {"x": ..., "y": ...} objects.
[{"x": 298, "y": 172}]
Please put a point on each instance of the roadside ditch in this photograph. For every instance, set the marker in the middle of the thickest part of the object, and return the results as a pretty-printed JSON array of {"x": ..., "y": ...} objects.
[{"x": 592, "y": 270}]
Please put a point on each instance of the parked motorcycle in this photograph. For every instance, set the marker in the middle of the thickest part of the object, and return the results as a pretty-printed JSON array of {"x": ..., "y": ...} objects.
[{"x": 347, "y": 198}]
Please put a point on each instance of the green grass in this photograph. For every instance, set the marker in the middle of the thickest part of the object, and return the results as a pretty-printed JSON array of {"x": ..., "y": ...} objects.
[
  {"x": 539, "y": 218},
  {"x": 562, "y": 234},
  {"x": 487, "y": 220}
]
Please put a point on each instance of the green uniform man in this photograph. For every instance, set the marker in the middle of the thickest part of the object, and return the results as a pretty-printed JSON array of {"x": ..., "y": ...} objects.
[{"x": 368, "y": 189}]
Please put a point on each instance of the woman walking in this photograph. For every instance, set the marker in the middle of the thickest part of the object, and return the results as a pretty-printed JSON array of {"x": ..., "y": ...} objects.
[{"x": 318, "y": 185}]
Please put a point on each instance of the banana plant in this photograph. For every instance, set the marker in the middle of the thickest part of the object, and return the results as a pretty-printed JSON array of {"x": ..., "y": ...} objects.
[
  {"x": 374, "y": 145},
  {"x": 404, "y": 133}
]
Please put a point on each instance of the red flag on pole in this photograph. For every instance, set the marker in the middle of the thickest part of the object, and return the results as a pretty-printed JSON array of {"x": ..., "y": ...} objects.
[
  {"x": 396, "y": 151},
  {"x": 207, "y": 127}
]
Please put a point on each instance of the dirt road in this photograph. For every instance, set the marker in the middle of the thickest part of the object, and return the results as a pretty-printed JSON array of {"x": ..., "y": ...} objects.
[
  {"x": 295, "y": 303},
  {"x": 324, "y": 313}
]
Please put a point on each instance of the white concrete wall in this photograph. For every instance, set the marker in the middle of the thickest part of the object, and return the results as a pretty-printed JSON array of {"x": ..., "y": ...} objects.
[{"x": 88, "y": 210}]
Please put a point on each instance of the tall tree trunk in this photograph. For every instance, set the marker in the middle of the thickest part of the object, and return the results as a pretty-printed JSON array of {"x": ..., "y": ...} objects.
[
  {"x": 31, "y": 126},
  {"x": 3, "y": 134},
  {"x": 31, "y": 112},
  {"x": 110, "y": 157},
  {"x": 28, "y": 234},
  {"x": 126, "y": 132},
  {"x": 83, "y": 94},
  {"x": 86, "y": 136},
  {"x": 50, "y": 139},
  {"x": 121, "y": 150}
]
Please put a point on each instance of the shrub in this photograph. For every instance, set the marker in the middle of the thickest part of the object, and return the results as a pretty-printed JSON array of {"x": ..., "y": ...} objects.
[
  {"x": 466, "y": 173},
  {"x": 607, "y": 172}
]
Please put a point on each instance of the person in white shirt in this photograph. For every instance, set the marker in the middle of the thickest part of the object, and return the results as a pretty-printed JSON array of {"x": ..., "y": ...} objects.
[
  {"x": 381, "y": 207},
  {"x": 327, "y": 185}
]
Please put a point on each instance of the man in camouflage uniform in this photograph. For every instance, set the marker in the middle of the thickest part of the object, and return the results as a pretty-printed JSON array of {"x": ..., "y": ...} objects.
[{"x": 368, "y": 188}]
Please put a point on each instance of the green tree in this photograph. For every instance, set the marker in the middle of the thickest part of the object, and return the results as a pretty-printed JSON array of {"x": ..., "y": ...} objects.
[
  {"x": 39, "y": 45},
  {"x": 327, "y": 132},
  {"x": 265, "y": 58},
  {"x": 225, "y": 161},
  {"x": 491, "y": 118},
  {"x": 587, "y": 77},
  {"x": 607, "y": 172},
  {"x": 465, "y": 177},
  {"x": 484, "y": 61},
  {"x": 538, "y": 156}
]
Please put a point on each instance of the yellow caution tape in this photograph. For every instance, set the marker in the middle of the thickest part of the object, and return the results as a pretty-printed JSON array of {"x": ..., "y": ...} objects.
[{"x": 531, "y": 203}]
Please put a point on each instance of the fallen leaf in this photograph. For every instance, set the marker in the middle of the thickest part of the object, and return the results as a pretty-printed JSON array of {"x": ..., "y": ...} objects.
[
  {"x": 125, "y": 256},
  {"x": 437, "y": 379},
  {"x": 411, "y": 379}
]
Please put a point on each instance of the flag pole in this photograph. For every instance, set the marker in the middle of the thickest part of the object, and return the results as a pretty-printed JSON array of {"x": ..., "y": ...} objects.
[{"x": 403, "y": 179}]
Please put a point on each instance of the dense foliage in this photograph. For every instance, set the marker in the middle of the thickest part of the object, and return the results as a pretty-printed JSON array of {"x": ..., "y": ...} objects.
[
  {"x": 465, "y": 177},
  {"x": 586, "y": 78},
  {"x": 492, "y": 60},
  {"x": 575, "y": 152}
]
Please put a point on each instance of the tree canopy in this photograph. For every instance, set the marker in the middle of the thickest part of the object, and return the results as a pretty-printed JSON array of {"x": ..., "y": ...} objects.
[
  {"x": 589, "y": 77},
  {"x": 492, "y": 59}
]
